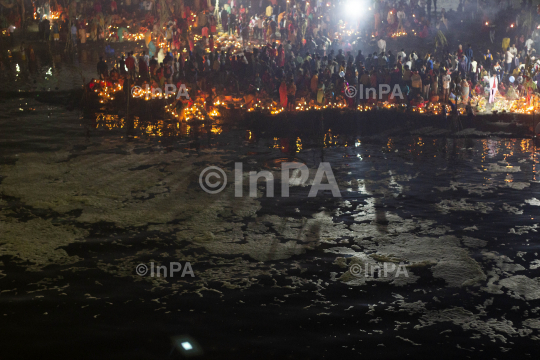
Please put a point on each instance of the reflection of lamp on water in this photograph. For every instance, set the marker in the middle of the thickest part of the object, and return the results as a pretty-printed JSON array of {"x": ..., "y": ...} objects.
[{"x": 186, "y": 345}]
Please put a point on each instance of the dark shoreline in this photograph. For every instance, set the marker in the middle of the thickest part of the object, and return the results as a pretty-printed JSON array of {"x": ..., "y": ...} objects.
[{"x": 339, "y": 121}]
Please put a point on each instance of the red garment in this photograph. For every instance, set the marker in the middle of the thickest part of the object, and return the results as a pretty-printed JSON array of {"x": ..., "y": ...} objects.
[
  {"x": 373, "y": 80},
  {"x": 281, "y": 58},
  {"x": 424, "y": 33},
  {"x": 130, "y": 63},
  {"x": 143, "y": 68},
  {"x": 283, "y": 94},
  {"x": 272, "y": 53}
]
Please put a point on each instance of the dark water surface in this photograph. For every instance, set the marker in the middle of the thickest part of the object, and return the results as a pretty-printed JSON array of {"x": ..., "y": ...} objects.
[
  {"x": 82, "y": 204},
  {"x": 52, "y": 68}
]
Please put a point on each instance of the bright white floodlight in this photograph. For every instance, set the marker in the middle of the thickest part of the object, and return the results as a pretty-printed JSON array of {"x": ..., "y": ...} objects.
[{"x": 354, "y": 8}]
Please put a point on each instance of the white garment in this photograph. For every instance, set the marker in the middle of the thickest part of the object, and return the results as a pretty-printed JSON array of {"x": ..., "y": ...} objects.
[
  {"x": 161, "y": 56},
  {"x": 493, "y": 85},
  {"x": 473, "y": 66},
  {"x": 446, "y": 81},
  {"x": 528, "y": 44},
  {"x": 382, "y": 45},
  {"x": 508, "y": 57}
]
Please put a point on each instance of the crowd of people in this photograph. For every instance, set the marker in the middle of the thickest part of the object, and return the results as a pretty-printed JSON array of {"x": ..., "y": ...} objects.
[
  {"x": 296, "y": 49},
  {"x": 288, "y": 72}
]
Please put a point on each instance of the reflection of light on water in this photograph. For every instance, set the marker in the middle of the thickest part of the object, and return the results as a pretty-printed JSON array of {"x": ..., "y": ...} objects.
[
  {"x": 390, "y": 144},
  {"x": 151, "y": 128},
  {"x": 509, "y": 148},
  {"x": 109, "y": 121},
  {"x": 329, "y": 138},
  {"x": 525, "y": 145},
  {"x": 276, "y": 143},
  {"x": 160, "y": 128},
  {"x": 155, "y": 128},
  {"x": 492, "y": 148},
  {"x": 298, "y": 144}
]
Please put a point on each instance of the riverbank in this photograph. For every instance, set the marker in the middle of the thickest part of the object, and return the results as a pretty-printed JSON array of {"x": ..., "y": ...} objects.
[{"x": 312, "y": 125}]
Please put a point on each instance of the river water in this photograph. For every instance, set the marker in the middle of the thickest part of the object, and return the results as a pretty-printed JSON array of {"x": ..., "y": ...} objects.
[
  {"x": 84, "y": 202},
  {"x": 82, "y": 206}
]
